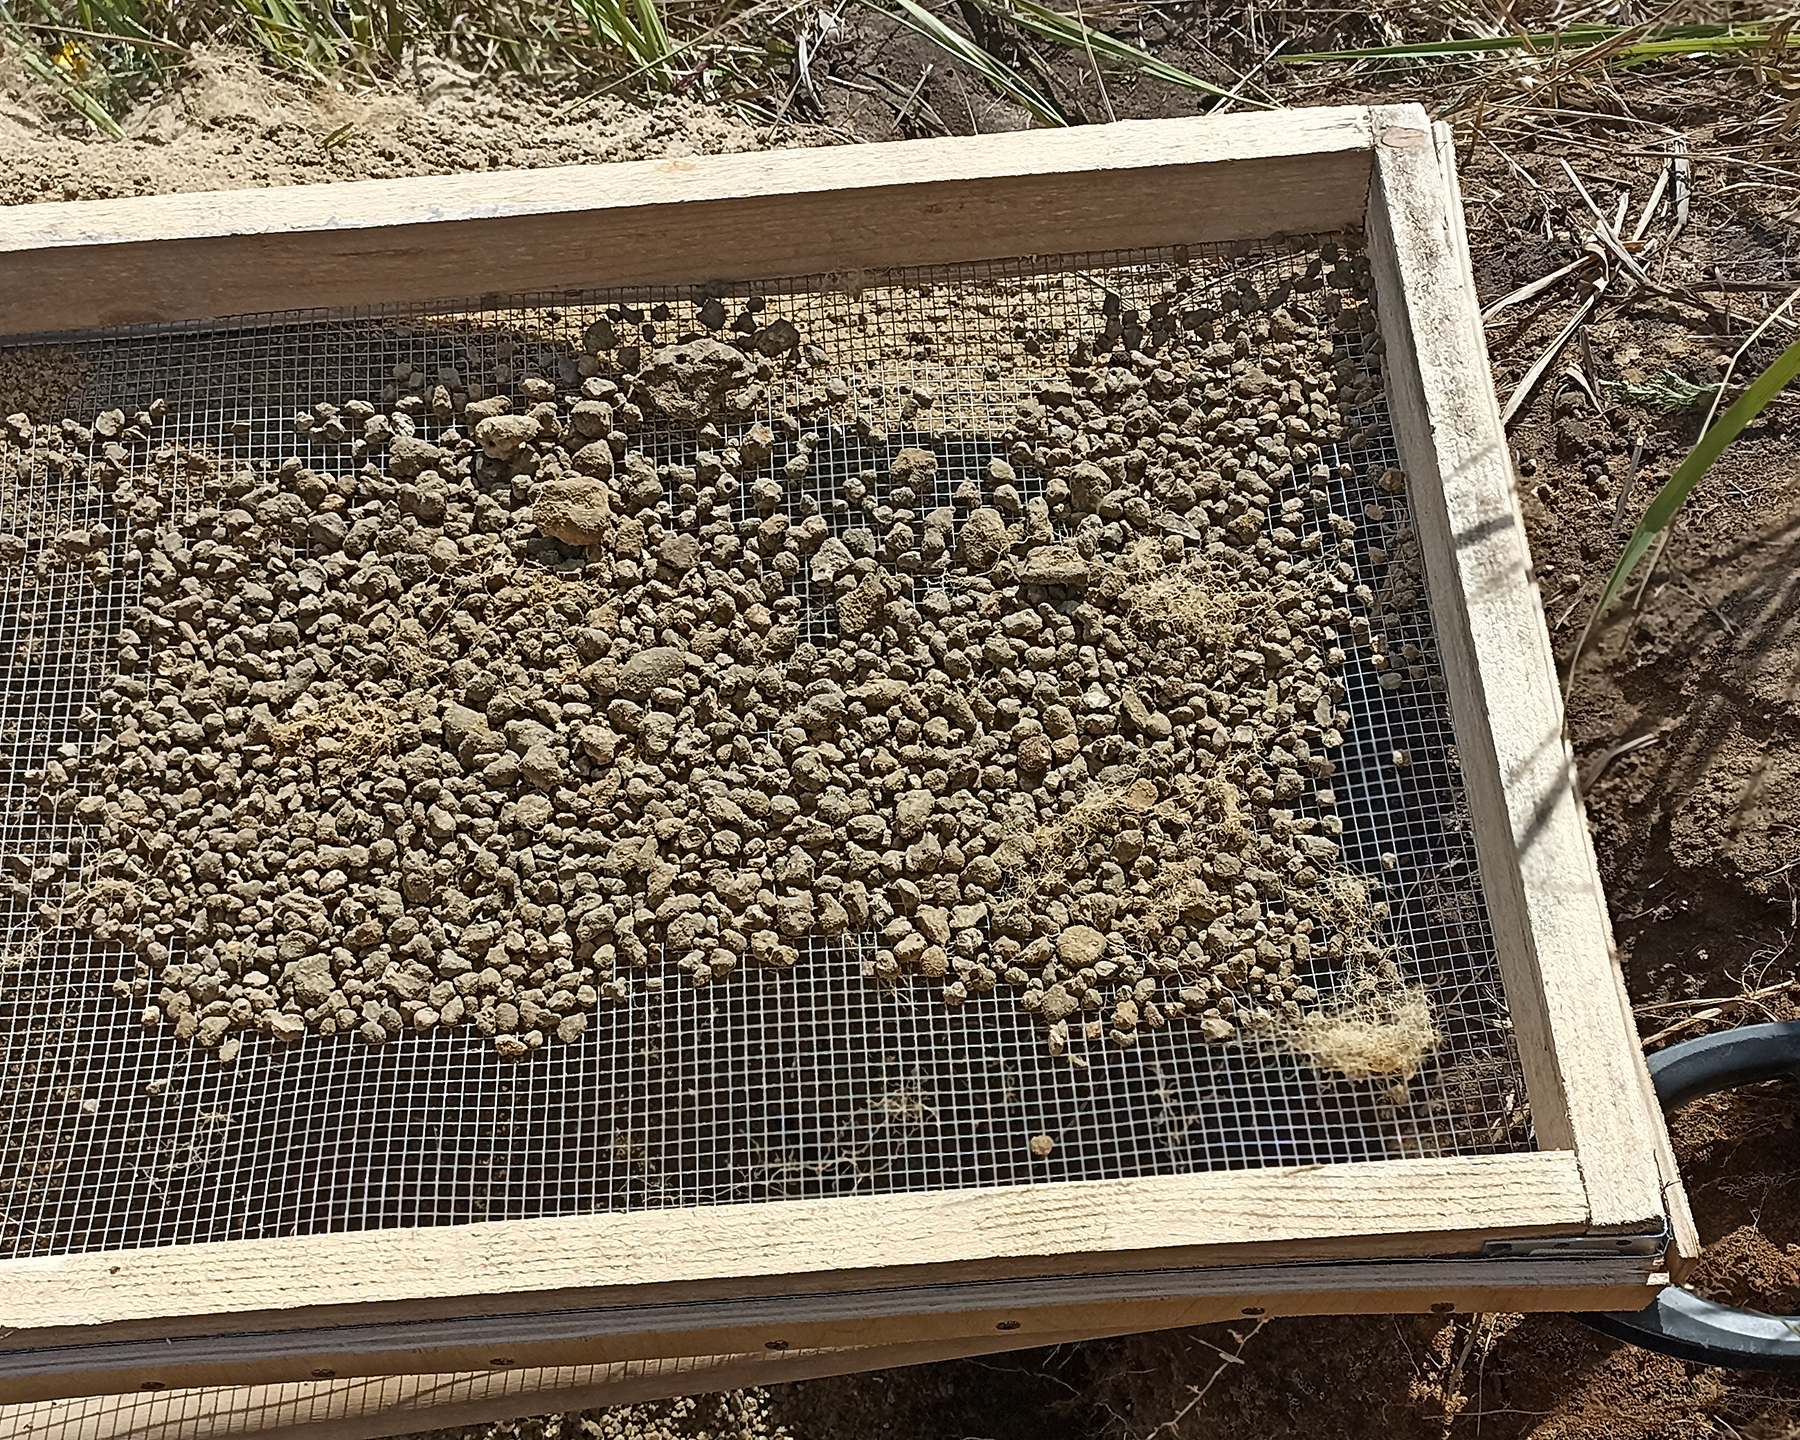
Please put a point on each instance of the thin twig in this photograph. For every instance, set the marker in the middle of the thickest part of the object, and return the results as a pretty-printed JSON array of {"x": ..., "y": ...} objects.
[
  {"x": 1592, "y": 774},
  {"x": 1681, "y": 169},
  {"x": 1228, "y": 1359},
  {"x": 1656, "y": 193},
  {"x": 1536, "y": 287},
  {"x": 1750, "y": 997},
  {"x": 1631, "y": 475},
  {"x": 1087, "y": 44},
  {"x": 1236, "y": 92},
  {"x": 905, "y": 107}
]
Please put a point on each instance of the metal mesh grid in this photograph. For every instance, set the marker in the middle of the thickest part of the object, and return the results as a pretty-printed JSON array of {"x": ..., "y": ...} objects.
[{"x": 817, "y": 1082}]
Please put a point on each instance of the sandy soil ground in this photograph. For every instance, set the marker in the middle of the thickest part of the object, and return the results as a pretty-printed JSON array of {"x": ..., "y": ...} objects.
[{"x": 230, "y": 126}]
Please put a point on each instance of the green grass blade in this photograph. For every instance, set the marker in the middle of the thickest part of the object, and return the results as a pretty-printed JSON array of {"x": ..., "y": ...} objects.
[
  {"x": 1675, "y": 491},
  {"x": 638, "y": 34},
  {"x": 1441, "y": 49},
  {"x": 140, "y": 42},
  {"x": 1066, "y": 30},
  {"x": 290, "y": 36},
  {"x": 1703, "y": 45},
  {"x": 998, "y": 74},
  {"x": 654, "y": 40},
  {"x": 66, "y": 85}
]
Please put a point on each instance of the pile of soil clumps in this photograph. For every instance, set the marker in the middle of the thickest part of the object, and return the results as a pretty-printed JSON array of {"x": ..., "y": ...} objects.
[{"x": 475, "y": 711}]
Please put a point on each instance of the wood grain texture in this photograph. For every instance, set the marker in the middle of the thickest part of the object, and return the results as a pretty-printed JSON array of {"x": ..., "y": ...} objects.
[
  {"x": 949, "y": 1334},
  {"x": 780, "y": 213},
  {"x": 1030, "y": 1309},
  {"x": 366, "y": 1408},
  {"x": 1581, "y": 1058},
  {"x": 1387, "y": 1208}
]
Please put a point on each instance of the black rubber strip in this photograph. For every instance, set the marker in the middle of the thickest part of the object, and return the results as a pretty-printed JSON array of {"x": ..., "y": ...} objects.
[{"x": 1681, "y": 1323}]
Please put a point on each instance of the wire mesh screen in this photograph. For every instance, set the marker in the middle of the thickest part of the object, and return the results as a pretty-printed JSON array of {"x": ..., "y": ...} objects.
[{"x": 827, "y": 1076}]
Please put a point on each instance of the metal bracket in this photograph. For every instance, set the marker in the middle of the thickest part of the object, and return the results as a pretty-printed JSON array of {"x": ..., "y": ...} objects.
[{"x": 1575, "y": 1247}]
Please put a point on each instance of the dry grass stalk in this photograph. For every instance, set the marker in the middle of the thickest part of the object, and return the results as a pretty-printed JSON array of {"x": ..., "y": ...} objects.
[
  {"x": 1215, "y": 817},
  {"x": 18, "y": 959},
  {"x": 1043, "y": 858}
]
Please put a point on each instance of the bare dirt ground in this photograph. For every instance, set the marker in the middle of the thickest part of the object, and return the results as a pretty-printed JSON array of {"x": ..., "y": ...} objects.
[
  {"x": 1698, "y": 830},
  {"x": 231, "y": 126}
]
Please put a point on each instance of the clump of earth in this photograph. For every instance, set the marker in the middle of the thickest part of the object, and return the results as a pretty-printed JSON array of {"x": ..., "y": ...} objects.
[{"x": 474, "y": 712}]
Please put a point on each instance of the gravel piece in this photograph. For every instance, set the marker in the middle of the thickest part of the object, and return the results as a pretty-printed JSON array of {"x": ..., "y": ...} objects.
[
  {"x": 1080, "y": 946},
  {"x": 1054, "y": 565},
  {"x": 576, "y": 511}
]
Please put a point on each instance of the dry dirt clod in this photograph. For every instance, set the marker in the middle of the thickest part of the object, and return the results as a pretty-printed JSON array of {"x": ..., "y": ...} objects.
[
  {"x": 689, "y": 382},
  {"x": 575, "y": 511},
  {"x": 500, "y": 436},
  {"x": 982, "y": 541}
]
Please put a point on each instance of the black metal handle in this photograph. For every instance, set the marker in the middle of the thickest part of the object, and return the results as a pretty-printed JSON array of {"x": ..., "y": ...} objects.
[{"x": 1680, "y": 1323}]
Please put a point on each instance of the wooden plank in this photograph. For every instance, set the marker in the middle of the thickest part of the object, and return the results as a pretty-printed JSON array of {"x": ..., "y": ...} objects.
[
  {"x": 1580, "y": 1056},
  {"x": 1016, "y": 1325},
  {"x": 1684, "y": 1235},
  {"x": 680, "y": 222},
  {"x": 366, "y": 1408},
  {"x": 863, "y": 1317},
  {"x": 1376, "y": 1209}
]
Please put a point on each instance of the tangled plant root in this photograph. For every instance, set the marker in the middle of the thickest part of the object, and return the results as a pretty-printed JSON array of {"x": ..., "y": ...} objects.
[
  {"x": 1051, "y": 850},
  {"x": 1191, "y": 602},
  {"x": 1373, "y": 1033},
  {"x": 363, "y": 732},
  {"x": 1046, "y": 855},
  {"x": 528, "y": 589},
  {"x": 109, "y": 890},
  {"x": 1175, "y": 889},
  {"x": 1214, "y": 808},
  {"x": 1379, "y": 1028}
]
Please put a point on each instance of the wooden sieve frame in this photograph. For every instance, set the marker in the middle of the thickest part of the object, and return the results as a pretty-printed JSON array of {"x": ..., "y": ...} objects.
[{"x": 1594, "y": 1218}]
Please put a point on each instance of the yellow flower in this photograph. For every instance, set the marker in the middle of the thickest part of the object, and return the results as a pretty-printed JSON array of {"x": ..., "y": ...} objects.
[{"x": 73, "y": 57}]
